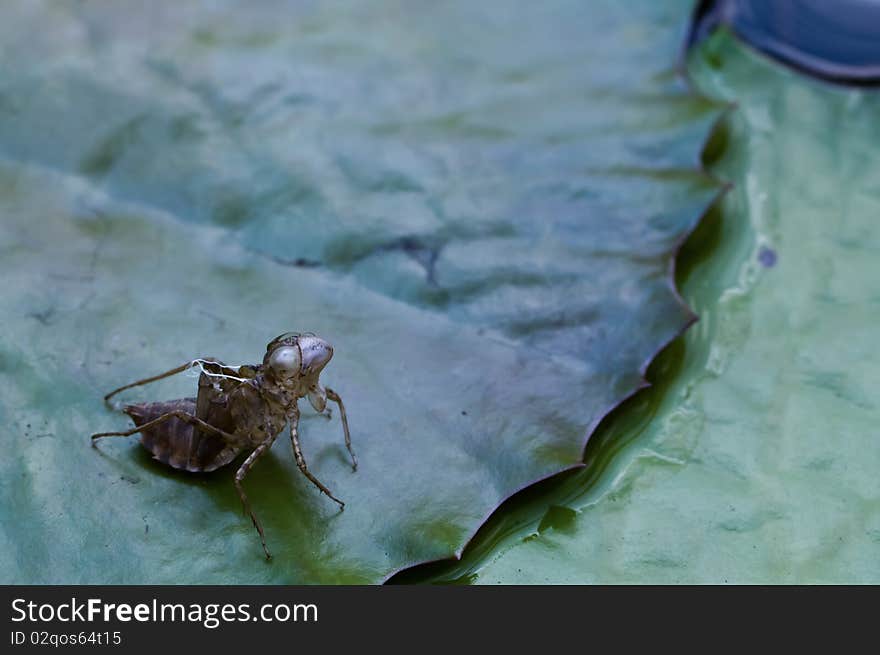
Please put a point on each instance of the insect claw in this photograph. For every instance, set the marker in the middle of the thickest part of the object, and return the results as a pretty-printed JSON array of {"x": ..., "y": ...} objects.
[
  {"x": 94, "y": 438},
  {"x": 334, "y": 499}
]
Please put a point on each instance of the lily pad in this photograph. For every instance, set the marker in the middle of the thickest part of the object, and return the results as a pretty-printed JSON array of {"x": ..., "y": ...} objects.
[
  {"x": 755, "y": 458},
  {"x": 483, "y": 225}
]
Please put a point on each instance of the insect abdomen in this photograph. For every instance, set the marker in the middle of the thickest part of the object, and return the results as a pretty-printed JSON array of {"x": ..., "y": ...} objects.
[{"x": 172, "y": 442}]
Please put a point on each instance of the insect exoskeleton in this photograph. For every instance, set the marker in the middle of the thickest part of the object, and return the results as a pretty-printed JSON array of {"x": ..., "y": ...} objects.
[{"x": 238, "y": 408}]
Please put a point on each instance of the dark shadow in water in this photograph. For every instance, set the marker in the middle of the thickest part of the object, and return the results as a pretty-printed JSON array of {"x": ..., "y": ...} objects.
[{"x": 835, "y": 40}]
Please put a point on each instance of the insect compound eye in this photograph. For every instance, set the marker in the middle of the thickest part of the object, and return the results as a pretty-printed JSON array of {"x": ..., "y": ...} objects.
[
  {"x": 315, "y": 353},
  {"x": 286, "y": 362}
]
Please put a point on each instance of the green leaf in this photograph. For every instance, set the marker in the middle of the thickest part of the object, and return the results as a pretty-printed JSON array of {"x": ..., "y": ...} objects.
[
  {"x": 478, "y": 209},
  {"x": 755, "y": 458}
]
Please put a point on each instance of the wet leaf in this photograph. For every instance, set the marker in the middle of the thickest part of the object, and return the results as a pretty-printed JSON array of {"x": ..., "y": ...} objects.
[
  {"x": 755, "y": 459},
  {"x": 482, "y": 224}
]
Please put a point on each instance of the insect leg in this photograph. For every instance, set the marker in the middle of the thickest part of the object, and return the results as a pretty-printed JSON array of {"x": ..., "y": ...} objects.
[
  {"x": 300, "y": 460},
  {"x": 332, "y": 395},
  {"x": 239, "y": 477},
  {"x": 179, "y": 414},
  {"x": 173, "y": 371}
]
